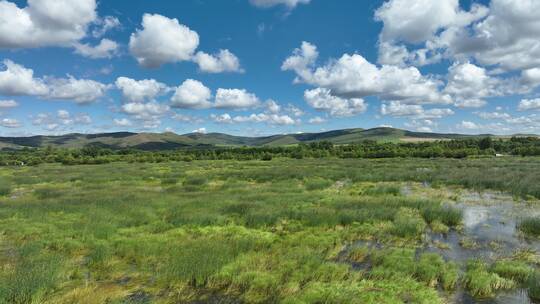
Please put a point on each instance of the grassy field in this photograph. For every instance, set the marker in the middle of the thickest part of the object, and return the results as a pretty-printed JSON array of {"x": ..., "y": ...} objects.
[{"x": 283, "y": 231}]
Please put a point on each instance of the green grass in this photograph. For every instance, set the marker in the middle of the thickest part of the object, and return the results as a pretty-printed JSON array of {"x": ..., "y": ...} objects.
[
  {"x": 281, "y": 231},
  {"x": 530, "y": 226},
  {"x": 482, "y": 283}
]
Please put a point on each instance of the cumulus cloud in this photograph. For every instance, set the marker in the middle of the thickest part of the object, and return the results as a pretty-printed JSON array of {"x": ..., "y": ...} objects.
[
  {"x": 269, "y": 3},
  {"x": 45, "y": 22},
  {"x": 78, "y": 90},
  {"x": 235, "y": 99},
  {"x": 122, "y": 122},
  {"x": 199, "y": 130},
  {"x": 468, "y": 125},
  {"x": 322, "y": 100},
  {"x": 18, "y": 80},
  {"x": 8, "y": 104},
  {"x": 10, "y": 123},
  {"x": 192, "y": 94},
  {"x": 504, "y": 34},
  {"x": 353, "y": 76},
  {"x": 62, "y": 120},
  {"x": 317, "y": 120},
  {"x": 529, "y": 104},
  {"x": 138, "y": 91},
  {"x": 143, "y": 110},
  {"x": 103, "y": 25},
  {"x": 272, "y": 106},
  {"x": 397, "y": 109},
  {"x": 162, "y": 40},
  {"x": 105, "y": 49},
  {"x": 470, "y": 84},
  {"x": 223, "y": 61},
  {"x": 273, "y": 119}
]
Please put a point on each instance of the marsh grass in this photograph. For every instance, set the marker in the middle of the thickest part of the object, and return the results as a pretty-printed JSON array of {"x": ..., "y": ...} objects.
[
  {"x": 5, "y": 186},
  {"x": 482, "y": 283},
  {"x": 533, "y": 286},
  {"x": 32, "y": 276},
  {"x": 513, "y": 270},
  {"x": 253, "y": 231},
  {"x": 530, "y": 226}
]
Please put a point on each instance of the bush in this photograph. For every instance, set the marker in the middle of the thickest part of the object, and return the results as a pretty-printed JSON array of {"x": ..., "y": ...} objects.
[{"x": 266, "y": 157}]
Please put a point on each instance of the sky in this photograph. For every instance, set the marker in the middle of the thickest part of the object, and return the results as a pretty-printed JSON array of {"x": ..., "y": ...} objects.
[{"x": 260, "y": 67}]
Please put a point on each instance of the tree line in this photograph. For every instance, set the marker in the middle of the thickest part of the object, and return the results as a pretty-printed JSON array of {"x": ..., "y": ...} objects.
[{"x": 459, "y": 148}]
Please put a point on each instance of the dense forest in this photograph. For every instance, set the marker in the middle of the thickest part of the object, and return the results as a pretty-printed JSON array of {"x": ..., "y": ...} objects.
[{"x": 460, "y": 148}]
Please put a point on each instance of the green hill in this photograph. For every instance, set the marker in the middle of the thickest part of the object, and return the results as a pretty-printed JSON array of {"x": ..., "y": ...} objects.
[{"x": 168, "y": 140}]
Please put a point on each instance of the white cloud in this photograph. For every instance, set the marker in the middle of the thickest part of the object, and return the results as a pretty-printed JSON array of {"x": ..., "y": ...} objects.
[
  {"x": 223, "y": 118},
  {"x": 272, "y": 106},
  {"x": 223, "y": 61},
  {"x": 45, "y": 23},
  {"x": 494, "y": 115},
  {"x": 192, "y": 94},
  {"x": 470, "y": 84},
  {"x": 294, "y": 111},
  {"x": 415, "y": 21},
  {"x": 273, "y": 119},
  {"x": 122, "y": 122},
  {"x": 468, "y": 125},
  {"x": 144, "y": 110},
  {"x": 322, "y": 100},
  {"x": 529, "y": 104},
  {"x": 199, "y": 130},
  {"x": 8, "y": 104},
  {"x": 235, "y": 99},
  {"x": 353, "y": 76},
  {"x": 18, "y": 80},
  {"x": 63, "y": 114},
  {"x": 105, "y": 49},
  {"x": 104, "y": 25},
  {"x": 531, "y": 77},
  {"x": 186, "y": 118},
  {"x": 269, "y": 3},
  {"x": 317, "y": 120},
  {"x": 79, "y": 90},
  {"x": 82, "y": 119},
  {"x": 10, "y": 123},
  {"x": 397, "y": 109},
  {"x": 162, "y": 40},
  {"x": 138, "y": 91}
]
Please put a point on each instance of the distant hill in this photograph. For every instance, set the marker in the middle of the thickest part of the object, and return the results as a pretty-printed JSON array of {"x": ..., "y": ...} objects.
[{"x": 168, "y": 140}]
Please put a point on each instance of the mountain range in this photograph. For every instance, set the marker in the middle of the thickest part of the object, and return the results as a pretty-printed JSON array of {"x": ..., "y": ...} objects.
[{"x": 168, "y": 140}]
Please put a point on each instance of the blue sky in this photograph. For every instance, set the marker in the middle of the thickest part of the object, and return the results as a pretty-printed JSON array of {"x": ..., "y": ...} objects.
[{"x": 256, "y": 67}]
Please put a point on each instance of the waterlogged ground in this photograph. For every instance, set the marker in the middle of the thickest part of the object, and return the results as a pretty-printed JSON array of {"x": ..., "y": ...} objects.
[
  {"x": 284, "y": 231},
  {"x": 489, "y": 233}
]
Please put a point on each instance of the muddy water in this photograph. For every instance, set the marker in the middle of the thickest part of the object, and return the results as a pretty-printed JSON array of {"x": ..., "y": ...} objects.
[{"x": 489, "y": 233}]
